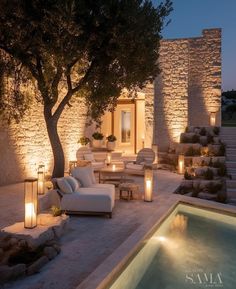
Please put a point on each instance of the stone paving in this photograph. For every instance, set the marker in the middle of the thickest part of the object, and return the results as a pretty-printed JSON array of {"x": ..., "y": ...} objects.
[{"x": 89, "y": 240}]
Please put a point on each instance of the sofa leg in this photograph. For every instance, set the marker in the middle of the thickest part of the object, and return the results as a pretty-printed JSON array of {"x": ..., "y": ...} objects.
[{"x": 110, "y": 215}]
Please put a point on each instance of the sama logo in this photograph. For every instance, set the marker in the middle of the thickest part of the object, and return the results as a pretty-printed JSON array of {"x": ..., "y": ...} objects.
[{"x": 205, "y": 279}]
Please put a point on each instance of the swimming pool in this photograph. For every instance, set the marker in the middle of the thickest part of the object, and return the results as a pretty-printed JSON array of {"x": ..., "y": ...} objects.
[{"x": 193, "y": 248}]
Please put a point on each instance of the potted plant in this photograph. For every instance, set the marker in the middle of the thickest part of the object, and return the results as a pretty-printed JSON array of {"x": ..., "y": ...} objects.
[
  {"x": 97, "y": 139},
  {"x": 111, "y": 142},
  {"x": 84, "y": 141}
]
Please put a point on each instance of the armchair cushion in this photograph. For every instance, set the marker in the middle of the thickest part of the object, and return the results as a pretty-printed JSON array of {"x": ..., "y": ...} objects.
[{"x": 64, "y": 186}]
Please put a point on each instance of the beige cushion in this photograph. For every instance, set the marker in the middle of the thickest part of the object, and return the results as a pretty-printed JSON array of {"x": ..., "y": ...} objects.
[
  {"x": 73, "y": 183},
  {"x": 134, "y": 166},
  {"x": 84, "y": 175},
  {"x": 89, "y": 157},
  {"x": 64, "y": 186}
]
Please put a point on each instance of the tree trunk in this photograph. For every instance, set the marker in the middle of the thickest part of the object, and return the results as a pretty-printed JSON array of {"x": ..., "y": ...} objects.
[{"x": 58, "y": 154}]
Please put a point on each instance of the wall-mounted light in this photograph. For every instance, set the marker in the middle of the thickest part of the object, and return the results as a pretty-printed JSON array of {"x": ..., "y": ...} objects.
[
  {"x": 213, "y": 118},
  {"x": 31, "y": 203},
  {"x": 148, "y": 185},
  {"x": 181, "y": 164},
  {"x": 41, "y": 179}
]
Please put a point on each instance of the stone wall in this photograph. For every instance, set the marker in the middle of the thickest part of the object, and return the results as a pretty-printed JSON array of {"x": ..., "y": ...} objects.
[
  {"x": 189, "y": 86},
  {"x": 25, "y": 145}
]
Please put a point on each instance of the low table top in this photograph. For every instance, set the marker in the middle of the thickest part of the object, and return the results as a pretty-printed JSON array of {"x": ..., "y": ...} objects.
[{"x": 112, "y": 169}]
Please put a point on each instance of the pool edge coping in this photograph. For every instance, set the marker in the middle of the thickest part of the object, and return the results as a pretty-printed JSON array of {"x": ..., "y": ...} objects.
[{"x": 111, "y": 267}]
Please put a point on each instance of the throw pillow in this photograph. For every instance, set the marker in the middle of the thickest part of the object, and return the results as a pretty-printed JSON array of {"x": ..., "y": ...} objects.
[
  {"x": 84, "y": 175},
  {"x": 73, "y": 183},
  {"x": 64, "y": 186}
]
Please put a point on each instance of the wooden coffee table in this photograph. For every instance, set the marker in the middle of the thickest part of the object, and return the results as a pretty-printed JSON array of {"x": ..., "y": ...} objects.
[{"x": 111, "y": 174}]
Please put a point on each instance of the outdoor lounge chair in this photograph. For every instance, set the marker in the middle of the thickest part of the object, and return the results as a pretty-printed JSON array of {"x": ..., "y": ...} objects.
[
  {"x": 80, "y": 194},
  {"x": 145, "y": 157},
  {"x": 85, "y": 153}
]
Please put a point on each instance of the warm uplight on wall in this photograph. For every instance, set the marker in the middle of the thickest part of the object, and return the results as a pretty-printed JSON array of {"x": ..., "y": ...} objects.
[
  {"x": 181, "y": 164},
  {"x": 213, "y": 118},
  {"x": 108, "y": 159},
  {"x": 155, "y": 149},
  {"x": 31, "y": 202},
  {"x": 148, "y": 185},
  {"x": 41, "y": 179},
  {"x": 72, "y": 165}
]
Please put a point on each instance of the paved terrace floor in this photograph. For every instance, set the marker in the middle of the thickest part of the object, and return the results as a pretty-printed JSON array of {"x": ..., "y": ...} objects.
[{"x": 89, "y": 240}]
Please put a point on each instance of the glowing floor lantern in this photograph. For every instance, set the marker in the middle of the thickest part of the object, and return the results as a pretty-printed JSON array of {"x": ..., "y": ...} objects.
[
  {"x": 31, "y": 203},
  {"x": 213, "y": 118},
  {"x": 41, "y": 179},
  {"x": 148, "y": 185},
  {"x": 181, "y": 164},
  {"x": 72, "y": 165}
]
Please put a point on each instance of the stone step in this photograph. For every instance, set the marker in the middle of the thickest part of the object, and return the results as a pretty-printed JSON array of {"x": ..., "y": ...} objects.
[
  {"x": 231, "y": 158},
  {"x": 228, "y": 130},
  {"x": 231, "y": 184},
  {"x": 231, "y": 165},
  {"x": 231, "y": 193},
  {"x": 230, "y": 151},
  {"x": 232, "y": 174}
]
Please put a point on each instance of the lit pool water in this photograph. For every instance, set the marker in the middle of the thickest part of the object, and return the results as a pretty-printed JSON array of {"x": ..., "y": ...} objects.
[{"x": 193, "y": 248}]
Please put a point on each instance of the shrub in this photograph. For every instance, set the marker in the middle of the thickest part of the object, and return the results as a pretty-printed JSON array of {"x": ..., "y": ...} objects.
[
  {"x": 222, "y": 170},
  {"x": 184, "y": 139},
  {"x": 208, "y": 174},
  {"x": 196, "y": 190},
  {"x": 56, "y": 211},
  {"x": 111, "y": 138},
  {"x": 221, "y": 151},
  {"x": 186, "y": 129},
  {"x": 202, "y": 131},
  {"x": 84, "y": 140},
  {"x": 98, "y": 136},
  {"x": 221, "y": 197}
]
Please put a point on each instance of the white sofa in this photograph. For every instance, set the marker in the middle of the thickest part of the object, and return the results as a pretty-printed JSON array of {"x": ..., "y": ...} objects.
[{"x": 81, "y": 194}]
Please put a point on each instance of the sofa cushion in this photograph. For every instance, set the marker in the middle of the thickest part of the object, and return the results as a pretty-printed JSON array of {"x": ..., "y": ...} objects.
[
  {"x": 84, "y": 175},
  {"x": 73, "y": 183},
  {"x": 64, "y": 186},
  {"x": 134, "y": 166}
]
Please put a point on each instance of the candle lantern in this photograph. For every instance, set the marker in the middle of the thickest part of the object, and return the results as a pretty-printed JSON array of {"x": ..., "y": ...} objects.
[
  {"x": 181, "y": 164},
  {"x": 155, "y": 149},
  {"x": 31, "y": 203},
  {"x": 213, "y": 118},
  {"x": 41, "y": 179},
  {"x": 108, "y": 159},
  {"x": 72, "y": 165},
  {"x": 148, "y": 185}
]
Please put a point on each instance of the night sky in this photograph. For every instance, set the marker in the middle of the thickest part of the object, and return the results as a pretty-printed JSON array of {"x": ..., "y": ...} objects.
[{"x": 188, "y": 19}]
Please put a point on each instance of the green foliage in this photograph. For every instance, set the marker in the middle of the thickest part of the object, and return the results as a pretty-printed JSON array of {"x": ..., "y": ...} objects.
[
  {"x": 84, "y": 140},
  {"x": 208, "y": 174},
  {"x": 221, "y": 151},
  {"x": 98, "y": 136},
  {"x": 210, "y": 139},
  {"x": 192, "y": 152},
  {"x": 196, "y": 190},
  {"x": 222, "y": 170},
  {"x": 56, "y": 211},
  {"x": 187, "y": 139},
  {"x": 195, "y": 138},
  {"x": 111, "y": 138}
]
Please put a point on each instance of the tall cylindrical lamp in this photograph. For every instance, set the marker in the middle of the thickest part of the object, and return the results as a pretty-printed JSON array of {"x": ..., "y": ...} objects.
[
  {"x": 31, "y": 203},
  {"x": 148, "y": 184},
  {"x": 41, "y": 179}
]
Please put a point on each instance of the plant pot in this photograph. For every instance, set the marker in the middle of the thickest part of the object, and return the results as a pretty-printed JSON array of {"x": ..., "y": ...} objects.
[
  {"x": 111, "y": 145},
  {"x": 97, "y": 143}
]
